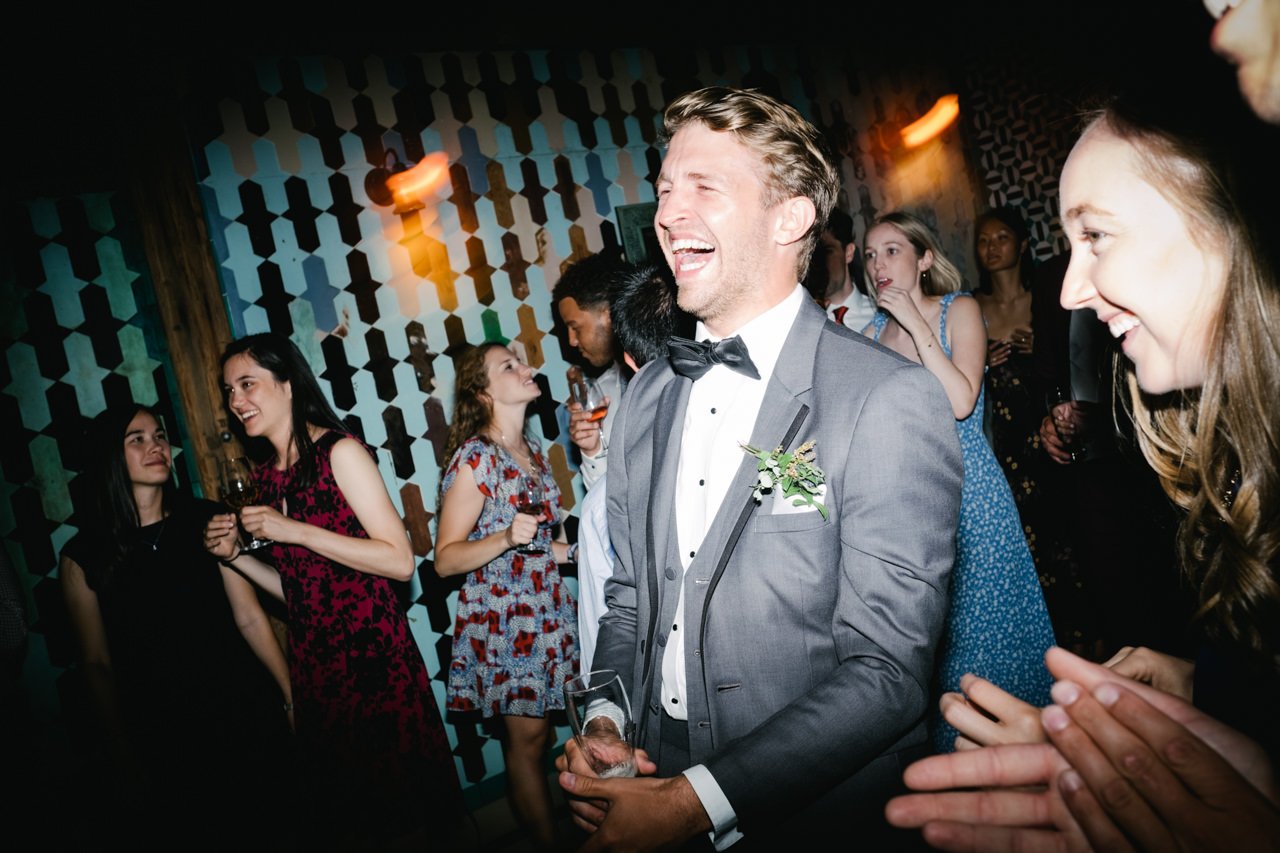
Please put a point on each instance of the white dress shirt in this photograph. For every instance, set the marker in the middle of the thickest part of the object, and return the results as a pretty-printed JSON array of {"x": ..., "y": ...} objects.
[
  {"x": 722, "y": 411},
  {"x": 593, "y": 467},
  {"x": 595, "y": 566},
  {"x": 861, "y": 309}
]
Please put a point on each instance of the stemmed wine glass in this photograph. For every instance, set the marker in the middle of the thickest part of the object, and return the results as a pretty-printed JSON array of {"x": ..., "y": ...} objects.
[
  {"x": 239, "y": 491},
  {"x": 529, "y": 500},
  {"x": 586, "y": 392}
]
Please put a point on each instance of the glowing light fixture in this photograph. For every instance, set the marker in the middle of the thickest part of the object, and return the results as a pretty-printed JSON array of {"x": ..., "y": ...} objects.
[
  {"x": 410, "y": 187},
  {"x": 938, "y": 119}
]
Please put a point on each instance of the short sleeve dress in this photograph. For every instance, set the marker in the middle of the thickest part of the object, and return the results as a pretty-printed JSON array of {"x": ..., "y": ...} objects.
[
  {"x": 515, "y": 635},
  {"x": 371, "y": 733},
  {"x": 998, "y": 626}
]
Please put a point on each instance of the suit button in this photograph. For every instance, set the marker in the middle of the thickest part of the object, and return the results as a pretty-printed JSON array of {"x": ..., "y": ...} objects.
[
  {"x": 662, "y": 639},
  {"x": 670, "y": 573},
  {"x": 654, "y": 707}
]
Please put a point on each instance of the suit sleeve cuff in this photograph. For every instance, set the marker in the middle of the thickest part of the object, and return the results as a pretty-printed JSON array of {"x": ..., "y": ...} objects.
[{"x": 723, "y": 818}]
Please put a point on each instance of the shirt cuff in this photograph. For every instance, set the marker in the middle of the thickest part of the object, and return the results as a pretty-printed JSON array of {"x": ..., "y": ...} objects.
[
  {"x": 724, "y": 820},
  {"x": 593, "y": 469}
]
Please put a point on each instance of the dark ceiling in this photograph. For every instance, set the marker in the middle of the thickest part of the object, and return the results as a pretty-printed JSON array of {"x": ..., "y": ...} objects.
[{"x": 64, "y": 107}]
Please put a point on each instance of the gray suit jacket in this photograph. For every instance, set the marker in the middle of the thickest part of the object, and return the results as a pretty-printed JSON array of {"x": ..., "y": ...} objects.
[{"x": 811, "y": 642}]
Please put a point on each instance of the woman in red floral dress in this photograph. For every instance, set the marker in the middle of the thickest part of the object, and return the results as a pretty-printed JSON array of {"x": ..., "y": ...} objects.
[
  {"x": 376, "y": 763},
  {"x": 515, "y": 636}
]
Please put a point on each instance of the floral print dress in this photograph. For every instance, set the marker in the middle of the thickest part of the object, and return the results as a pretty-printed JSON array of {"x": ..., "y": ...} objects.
[{"x": 515, "y": 635}]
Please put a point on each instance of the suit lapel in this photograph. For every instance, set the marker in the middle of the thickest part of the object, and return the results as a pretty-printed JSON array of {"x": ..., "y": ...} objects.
[{"x": 786, "y": 394}]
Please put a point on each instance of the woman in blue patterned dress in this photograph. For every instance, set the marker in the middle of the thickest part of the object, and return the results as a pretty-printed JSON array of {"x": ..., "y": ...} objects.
[
  {"x": 515, "y": 636},
  {"x": 998, "y": 626}
]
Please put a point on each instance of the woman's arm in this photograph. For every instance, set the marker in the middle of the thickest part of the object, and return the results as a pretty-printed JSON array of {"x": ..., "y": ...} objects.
[
  {"x": 255, "y": 627},
  {"x": 460, "y": 509},
  {"x": 222, "y": 540},
  {"x": 961, "y": 374},
  {"x": 95, "y": 657},
  {"x": 386, "y": 553}
]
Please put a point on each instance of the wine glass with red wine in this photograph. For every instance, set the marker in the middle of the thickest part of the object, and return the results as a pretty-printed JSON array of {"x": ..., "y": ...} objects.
[{"x": 530, "y": 501}]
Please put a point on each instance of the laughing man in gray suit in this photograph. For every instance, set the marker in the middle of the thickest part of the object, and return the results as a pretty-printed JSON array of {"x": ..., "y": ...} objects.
[{"x": 778, "y": 648}]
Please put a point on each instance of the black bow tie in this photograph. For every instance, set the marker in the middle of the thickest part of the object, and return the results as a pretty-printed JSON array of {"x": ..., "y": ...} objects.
[{"x": 694, "y": 358}]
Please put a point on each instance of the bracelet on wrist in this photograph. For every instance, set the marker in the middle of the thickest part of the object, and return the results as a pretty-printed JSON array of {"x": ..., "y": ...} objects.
[
  {"x": 573, "y": 553},
  {"x": 288, "y": 706},
  {"x": 229, "y": 560}
]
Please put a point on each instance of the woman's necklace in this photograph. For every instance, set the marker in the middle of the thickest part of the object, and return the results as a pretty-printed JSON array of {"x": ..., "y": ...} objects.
[
  {"x": 154, "y": 544},
  {"x": 528, "y": 457}
]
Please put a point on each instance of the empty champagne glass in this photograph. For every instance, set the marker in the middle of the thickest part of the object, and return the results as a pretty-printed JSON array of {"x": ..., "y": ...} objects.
[
  {"x": 239, "y": 491},
  {"x": 600, "y": 716}
]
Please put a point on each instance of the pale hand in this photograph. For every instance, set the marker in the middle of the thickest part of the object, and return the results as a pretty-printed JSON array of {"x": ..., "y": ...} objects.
[
  {"x": 1163, "y": 672},
  {"x": 264, "y": 522},
  {"x": 971, "y": 711},
  {"x": 523, "y": 530},
  {"x": 222, "y": 536}
]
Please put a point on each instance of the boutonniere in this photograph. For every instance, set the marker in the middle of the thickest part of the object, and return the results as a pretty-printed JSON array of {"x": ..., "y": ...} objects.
[{"x": 794, "y": 473}]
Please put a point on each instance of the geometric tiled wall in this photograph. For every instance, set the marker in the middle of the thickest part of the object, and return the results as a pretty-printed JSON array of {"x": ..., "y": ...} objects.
[{"x": 543, "y": 147}]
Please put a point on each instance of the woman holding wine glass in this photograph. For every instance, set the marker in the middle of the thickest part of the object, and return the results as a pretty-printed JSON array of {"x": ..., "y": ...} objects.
[
  {"x": 515, "y": 636},
  {"x": 376, "y": 758}
]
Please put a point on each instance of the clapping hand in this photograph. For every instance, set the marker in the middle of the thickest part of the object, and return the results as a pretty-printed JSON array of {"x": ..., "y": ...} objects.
[{"x": 1127, "y": 764}]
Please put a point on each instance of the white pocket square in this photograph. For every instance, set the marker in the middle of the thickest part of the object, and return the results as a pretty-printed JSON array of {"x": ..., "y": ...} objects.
[{"x": 782, "y": 505}]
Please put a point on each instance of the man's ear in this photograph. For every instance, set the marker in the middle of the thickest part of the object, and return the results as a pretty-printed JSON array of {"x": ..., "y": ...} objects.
[
  {"x": 795, "y": 217},
  {"x": 849, "y": 251}
]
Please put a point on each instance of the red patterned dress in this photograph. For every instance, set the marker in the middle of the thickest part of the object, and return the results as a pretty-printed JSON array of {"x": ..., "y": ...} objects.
[
  {"x": 375, "y": 757},
  {"x": 515, "y": 635}
]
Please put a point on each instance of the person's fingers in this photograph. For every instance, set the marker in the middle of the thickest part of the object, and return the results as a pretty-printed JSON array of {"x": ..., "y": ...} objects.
[
  {"x": 1124, "y": 652},
  {"x": 1095, "y": 823},
  {"x": 999, "y": 808},
  {"x": 968, "y": 720},
  {"x": 970, "y": 838},
  {"x": 1115, "y": 764},
  {"x": 1006, "y": 764}
]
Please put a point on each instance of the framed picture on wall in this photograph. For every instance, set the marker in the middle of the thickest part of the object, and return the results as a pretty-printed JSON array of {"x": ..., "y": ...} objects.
[{"x": 635, "y": 224}]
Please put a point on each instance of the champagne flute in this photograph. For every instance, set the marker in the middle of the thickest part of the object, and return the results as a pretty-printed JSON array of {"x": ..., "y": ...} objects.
[
  {"x": 240, "y": 490},
  {"x": 529, "y": 500},
  {"x": 1052, "y": 400},
  {"x": 600, "y": 716}
]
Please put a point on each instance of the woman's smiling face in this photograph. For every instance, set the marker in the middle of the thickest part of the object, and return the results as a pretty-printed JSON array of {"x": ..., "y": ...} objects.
[{"x": 1136, "y": 263}]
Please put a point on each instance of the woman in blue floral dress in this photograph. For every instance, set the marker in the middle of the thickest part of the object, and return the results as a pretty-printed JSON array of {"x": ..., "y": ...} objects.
[
  {"x": 515, "y": 635},
  {"x": 998, "y": 626}
]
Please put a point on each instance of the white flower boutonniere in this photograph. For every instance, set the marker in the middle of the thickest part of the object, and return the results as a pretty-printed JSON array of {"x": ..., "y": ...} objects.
[{"x": 794, "y": 473}]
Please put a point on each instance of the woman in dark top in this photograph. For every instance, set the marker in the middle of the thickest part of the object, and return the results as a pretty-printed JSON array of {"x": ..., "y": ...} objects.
[{"x": 167, "y": 645}]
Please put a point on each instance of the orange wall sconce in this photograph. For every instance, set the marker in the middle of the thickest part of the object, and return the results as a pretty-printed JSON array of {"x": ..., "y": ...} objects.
[{"x": 932, "y": 123}]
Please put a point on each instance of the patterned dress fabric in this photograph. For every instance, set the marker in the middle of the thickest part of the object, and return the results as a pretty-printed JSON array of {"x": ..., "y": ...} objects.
[
  {"x": 1017, "y": 409},
  {"x": 515, "y": 635},
  {"x": 998, "y": 626},
  {"x": 372, "y": 738}
]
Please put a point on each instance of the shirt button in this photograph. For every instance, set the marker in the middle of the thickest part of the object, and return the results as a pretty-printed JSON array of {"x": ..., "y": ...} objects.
[
  {"x": 675, "y": 627},
  {"x": 702, "y": 482},
  {"x": 713, "y": 410},
  {"x": 691, "y": 555},
  {"x": 675, "y": 701}
]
